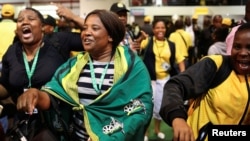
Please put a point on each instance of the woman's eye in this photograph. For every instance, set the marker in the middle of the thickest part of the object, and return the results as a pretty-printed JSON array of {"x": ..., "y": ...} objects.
[
  {"x": 236, "y": 47},
  {"x": 84, "y": 28},
  {"x": 248, "y": 48},
  {"x": 95, "y": 28}
]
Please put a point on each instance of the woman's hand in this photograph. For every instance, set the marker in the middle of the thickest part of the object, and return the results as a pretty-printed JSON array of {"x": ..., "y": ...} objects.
[
  {"x": 142, "y": 36},
  {"x": 64, "y": 12},
  {"x": 181, "y": 130},
  {"x": 31, "y": 99},
  {"x": 136, "y": 44},
  {"x": 67, "y": 14},
  {"x": 28, "y": 100}
]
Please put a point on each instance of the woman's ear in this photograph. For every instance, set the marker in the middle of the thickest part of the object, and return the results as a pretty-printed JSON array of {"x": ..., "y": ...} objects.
[{"x": 43, "y": 27}]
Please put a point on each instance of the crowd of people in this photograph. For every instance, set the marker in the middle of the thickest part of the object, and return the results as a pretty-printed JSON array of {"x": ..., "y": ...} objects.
[{"x": 171, "y": 71}]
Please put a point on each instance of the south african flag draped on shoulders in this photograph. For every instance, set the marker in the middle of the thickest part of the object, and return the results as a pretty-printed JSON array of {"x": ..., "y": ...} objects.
[{"x": 124, "y": 111}]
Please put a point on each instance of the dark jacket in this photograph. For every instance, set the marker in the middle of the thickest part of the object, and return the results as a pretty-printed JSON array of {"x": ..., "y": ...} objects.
[
  {"x": 192, "y": 83},
  {"x": 56, "y": 50}
]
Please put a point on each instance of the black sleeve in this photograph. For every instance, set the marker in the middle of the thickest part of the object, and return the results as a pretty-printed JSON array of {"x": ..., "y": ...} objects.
[
  {"x": 4, "y": 79},
  {"x": 66, "y": 42},
  {"x": 70, "y": 40},
  {"x": 189, "y": 84},
  {"x": 12, "y": 64}
]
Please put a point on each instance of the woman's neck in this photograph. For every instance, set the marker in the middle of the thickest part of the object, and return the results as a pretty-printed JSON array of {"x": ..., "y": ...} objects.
[
  {"x": 104, "y": 57},
  {"x": 30, "y": 51},
  {"x": 160, "y": 39}
]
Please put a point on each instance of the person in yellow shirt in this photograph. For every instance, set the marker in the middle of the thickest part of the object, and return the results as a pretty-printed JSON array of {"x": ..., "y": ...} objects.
[
  {"x": 157, "y": 58},
  {"x": 182, "y": 39},
  {"x": 216, "y": 106},
  {"x": 8, "y": 27}
]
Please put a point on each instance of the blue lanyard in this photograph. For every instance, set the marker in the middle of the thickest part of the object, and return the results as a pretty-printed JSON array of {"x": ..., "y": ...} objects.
[
  {"x": 93, "y": 78},
  {"x": 29, "y": 71}
]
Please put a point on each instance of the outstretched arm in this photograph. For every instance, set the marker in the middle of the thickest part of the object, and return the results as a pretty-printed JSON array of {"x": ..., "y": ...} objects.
[
  {"x": 69, "y": 15},
  {"x": 33, "y": 98},
  {"x": 136, "y": 43}
]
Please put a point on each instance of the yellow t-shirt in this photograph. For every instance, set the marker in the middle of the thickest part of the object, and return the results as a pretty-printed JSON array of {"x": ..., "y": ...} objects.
[
  {"x": 162, "y": 54},
  {"x": 7, "y": 32},
  {"x": 224, "y": 104},
  {"x": 179, "y": 43}
]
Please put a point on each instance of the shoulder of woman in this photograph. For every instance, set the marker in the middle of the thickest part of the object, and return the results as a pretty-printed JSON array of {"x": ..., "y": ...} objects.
[{"x": 218, "y": 59}]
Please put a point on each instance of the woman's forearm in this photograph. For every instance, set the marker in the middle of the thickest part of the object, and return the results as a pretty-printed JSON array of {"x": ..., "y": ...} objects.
[{"x": 43, "y": 101}]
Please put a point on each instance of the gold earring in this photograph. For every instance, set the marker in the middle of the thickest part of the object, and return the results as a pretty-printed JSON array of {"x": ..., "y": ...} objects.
[{"x": 110, "y": 39}]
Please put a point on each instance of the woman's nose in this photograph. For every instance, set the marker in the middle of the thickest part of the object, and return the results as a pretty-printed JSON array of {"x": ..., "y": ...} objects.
[
  {"x": 87, "y": 31},
  {"x": 244, "y": 51}
]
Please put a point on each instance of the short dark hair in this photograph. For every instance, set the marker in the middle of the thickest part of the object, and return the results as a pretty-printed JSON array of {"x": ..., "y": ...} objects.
[
  {"x": 112, "y": 23},
  {"x": 216, "y": 17},
  {"x": 155, "y": 21},
  {"x": 221, "y": 33},
  {"x": 179, "y": 24},
  {"x": 40, "y": 16},
  {"x": 244, "y": 26}
]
